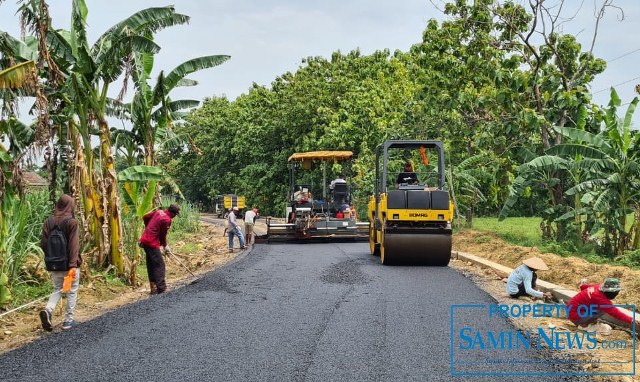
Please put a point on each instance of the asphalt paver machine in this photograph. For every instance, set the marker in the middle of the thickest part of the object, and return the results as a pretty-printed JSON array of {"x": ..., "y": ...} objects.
[{"x": 315, "y": 209}]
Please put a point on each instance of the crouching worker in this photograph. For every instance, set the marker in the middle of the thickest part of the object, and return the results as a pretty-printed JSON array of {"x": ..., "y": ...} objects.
[
  {"x": 600, "y": 296},
  {"x": 59, "y": 242},
  {"x": 154, "y": 243},
  {"x": 522, "y": 280}
]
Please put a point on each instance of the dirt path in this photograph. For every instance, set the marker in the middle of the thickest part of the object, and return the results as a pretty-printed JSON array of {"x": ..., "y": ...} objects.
[
  {"x": 206, "y": 251},
  {"x": 564, "y": 271}
]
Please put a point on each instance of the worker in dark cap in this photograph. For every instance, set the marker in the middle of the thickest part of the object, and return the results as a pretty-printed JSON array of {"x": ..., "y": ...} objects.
[
  {"x": 407, "y": 176},
  {"x": 154, "y": 243},
  {"x": 600, "y": 296}
]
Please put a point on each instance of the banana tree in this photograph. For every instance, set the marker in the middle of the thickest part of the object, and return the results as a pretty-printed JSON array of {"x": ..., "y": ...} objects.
[
  {"x": 22, "y": 75},
  {"x": 139, "y": 184},
  {"x": 90, "y": 70},
  {"x": 613, "y": 158},
  {"x": 152, "y": 110},
  {"x": 464, "y": 181},
  {"x": 19, "y": 136},
  {"x": 127, "y": 146},
  {"x": 602, "y": 172},
  {"x": 541, "y": 173}
]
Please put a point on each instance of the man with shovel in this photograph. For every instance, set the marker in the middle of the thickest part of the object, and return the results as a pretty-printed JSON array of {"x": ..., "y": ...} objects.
[
  {"x": 233, "y": 229},
  {"x": 154, "y": 243}
]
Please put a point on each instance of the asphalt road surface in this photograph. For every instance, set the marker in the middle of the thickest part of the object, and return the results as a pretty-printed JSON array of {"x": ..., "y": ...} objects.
[{"x": 286, "y": 312}]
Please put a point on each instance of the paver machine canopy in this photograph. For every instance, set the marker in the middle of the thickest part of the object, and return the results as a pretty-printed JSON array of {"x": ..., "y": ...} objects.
[
  {"x": 317, "y": 208},
  {"x": 410, "y": 211}
]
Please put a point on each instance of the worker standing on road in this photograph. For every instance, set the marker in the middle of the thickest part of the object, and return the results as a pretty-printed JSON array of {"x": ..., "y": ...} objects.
[
  {"x": 154, "y": 243},
  {"x": 522, "y": 280},
  {"x": 600, "y": 296},
  {"x": 249, "y": 220},
  {"x": 59, "y": 242},
  {"x": 233, "y": 229}
]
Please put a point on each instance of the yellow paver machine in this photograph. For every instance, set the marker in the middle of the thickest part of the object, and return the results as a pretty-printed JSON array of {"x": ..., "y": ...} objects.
[
  {"x": 316, "y": 208},
  {"x": 410, "y": 212}
]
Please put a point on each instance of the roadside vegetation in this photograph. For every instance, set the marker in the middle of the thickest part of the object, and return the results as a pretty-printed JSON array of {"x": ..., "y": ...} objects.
[
  {"x": 522, "y": 134},
  {"x": 70, "y": 80},
  {"x": 525, "y": 231}
]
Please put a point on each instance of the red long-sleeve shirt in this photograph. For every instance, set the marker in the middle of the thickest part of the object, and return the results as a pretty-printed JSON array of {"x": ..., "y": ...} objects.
[
  {"x": 590, "y": 294},
  {"x": 157, "y": 225}
]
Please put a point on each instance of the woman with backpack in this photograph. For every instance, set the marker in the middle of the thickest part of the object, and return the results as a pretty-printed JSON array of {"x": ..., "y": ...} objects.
[{"x": 59, "y": 242}]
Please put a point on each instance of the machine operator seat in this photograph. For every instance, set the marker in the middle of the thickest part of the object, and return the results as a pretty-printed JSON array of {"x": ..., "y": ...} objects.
[{"x": 340, "y": 194}]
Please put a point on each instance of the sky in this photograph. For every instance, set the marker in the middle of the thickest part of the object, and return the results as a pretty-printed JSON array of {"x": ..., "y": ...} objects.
[{"x": 267, "y": 38}]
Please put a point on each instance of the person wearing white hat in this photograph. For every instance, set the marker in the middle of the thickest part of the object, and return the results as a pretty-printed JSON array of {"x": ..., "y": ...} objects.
[
  {"x": 522, "y": 280},
  {"x": 233, "y": 229}
]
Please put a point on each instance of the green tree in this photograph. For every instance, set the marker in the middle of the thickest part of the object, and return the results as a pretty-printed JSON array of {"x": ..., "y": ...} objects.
[
  {"x": 614, "y": 156},
  {"x": 81, "y": 99},
  {"x": 152, "y": 111},
  {"x": 603, "y": 169}
]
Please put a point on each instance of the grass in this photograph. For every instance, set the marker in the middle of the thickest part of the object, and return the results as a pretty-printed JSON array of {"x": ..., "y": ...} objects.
[
  {"x": 526, "y": 232},
  {"x": 24, "y": 293},
  {"x": 189, "y": 248},
  {"x": 187, "y": 221},
  {"x": 520, "y": 231}
]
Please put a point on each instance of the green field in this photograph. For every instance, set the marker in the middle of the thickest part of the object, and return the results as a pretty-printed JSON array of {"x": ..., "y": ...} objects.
[{"x": 520, "y": 231}]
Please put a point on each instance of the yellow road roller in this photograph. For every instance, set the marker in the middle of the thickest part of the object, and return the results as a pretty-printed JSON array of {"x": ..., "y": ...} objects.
[{"x": 410, "y": 212}]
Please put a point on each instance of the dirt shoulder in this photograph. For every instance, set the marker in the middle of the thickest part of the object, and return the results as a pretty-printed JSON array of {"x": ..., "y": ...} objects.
[
  {"x": 564, "y": 271},
  {"x": 208, "y": 250},
  {"x": 200, "y": 252}
]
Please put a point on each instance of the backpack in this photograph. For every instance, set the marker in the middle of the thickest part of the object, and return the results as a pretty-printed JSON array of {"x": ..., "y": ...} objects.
[{"x": 57, "y": 257}]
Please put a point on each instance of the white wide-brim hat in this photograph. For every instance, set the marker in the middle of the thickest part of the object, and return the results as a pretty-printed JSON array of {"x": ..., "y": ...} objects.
[{"x": 536, "y": 263}]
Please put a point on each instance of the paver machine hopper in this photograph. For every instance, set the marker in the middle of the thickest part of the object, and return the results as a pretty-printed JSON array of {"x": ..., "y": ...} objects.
[
  {"x": 316, "y": 209},
  {"x": 410, "y": 212}
]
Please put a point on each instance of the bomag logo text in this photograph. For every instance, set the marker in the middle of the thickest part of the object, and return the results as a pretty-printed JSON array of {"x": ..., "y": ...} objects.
[{"x": 418, "y": 215}]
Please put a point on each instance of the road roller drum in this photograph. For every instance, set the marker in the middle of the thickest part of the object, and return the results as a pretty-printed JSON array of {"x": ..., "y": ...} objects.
[
  {"x": 410, "y": 213},
  {"x": 416, "y": 249}
]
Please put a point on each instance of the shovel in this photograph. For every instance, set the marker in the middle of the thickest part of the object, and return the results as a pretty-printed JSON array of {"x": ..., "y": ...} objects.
[{"x": 183, "y": 265}]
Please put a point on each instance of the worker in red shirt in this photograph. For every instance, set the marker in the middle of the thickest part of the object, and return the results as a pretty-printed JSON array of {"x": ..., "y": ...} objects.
[
  {"x": 154, "y": 243},
  {"x": 600, "y": 296}
]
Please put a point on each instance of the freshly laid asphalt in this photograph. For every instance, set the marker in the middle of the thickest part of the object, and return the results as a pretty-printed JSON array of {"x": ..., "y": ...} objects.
[{"x": 286, "y": 312}]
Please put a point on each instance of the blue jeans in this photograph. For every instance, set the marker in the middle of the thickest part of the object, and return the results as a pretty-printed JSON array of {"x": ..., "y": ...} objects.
[{"x": 235, "y": 232}]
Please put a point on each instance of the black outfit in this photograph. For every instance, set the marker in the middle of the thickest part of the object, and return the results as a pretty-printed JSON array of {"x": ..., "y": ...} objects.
[
  {"x": 155, "y": 268},
  {"x": 407, "y": 177}
]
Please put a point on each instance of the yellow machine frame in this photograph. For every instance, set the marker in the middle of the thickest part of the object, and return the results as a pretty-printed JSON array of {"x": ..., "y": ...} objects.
[{"x": 415, "y": 225}]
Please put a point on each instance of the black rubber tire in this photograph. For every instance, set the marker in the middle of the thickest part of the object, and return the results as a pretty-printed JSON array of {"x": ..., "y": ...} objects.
[{"x": 385, "y": 259}]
